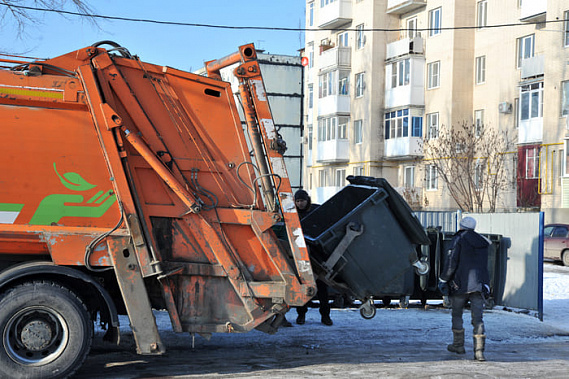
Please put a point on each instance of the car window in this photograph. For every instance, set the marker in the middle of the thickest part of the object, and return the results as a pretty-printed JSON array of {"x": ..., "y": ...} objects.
[
  {"x": 547, "y": 231},
  {"x": 560, "y": 231}
]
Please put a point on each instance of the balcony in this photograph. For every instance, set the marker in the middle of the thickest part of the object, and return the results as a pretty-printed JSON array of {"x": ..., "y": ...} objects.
[
  {"x": 404, "y": 6},
  {"x": 404, "y": 46},
  {"x": 335, "y": 14},
  {"x": 403, "y": 147},
  {"x": 333, "y": 151},
  {"x": 532, "y": 67},
  {"x": 333, "y": 104},
  {"x": 412, "y": 94},
  {"x": 531, "y": 131},
  {"x": 533, "y": 10},
  {"x": 340, "y": 57}
]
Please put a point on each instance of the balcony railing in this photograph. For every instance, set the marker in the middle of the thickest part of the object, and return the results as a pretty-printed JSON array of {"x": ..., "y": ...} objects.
[
  {"x": 533, "y": 10},
  {"x": 333, "y": 151},
  {"x": 404, "y": 6},
  {"x": 530, "y": 131},
  {"x": 534, "y": 66},
  {"x": 403, "y": 147},
  {"x": 336, "y": 57},
  {"x": 335, "y": 14},
  {"x": 333, "y": 104},
  {"x": 404, "y": 46}
]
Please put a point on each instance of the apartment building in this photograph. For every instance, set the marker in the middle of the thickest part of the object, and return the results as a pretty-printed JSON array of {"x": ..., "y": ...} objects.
[{"x": 382, "y": 76}]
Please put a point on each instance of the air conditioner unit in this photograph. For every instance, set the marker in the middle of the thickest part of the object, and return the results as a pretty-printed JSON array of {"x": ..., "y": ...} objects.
[{"x": 505, "y": 107}]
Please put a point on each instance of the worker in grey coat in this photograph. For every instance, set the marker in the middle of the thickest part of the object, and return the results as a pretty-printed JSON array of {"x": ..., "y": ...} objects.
[{"x": 465, "y": 279}]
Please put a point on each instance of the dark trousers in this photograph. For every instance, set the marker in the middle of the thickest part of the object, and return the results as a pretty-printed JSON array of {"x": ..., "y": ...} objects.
[
  {"x": 476, "y": 309},
  {"x": 322, "y": 295}
]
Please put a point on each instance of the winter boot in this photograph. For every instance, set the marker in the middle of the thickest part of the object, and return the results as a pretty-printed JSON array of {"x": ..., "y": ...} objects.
[
  {"x": 479, "y": 343},
  {"x": 457, "y": 345}
]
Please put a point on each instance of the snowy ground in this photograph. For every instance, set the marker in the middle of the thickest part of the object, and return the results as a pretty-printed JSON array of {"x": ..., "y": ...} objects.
[{"x": 397, "y": 343}]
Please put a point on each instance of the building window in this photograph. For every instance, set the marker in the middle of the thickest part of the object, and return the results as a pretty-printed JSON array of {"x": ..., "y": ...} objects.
[
  {"x": 360, "y": 37},
  {"x": 343, "y": 39},
  {"x": 412, "y": 28},
  {"x": 323, "y": 3},
  {"x": 310, "y": 96},
  {"x": 525, "y": 47},
  {"x": 360, "y": 84},
  {"x": 434, "y": 75},
  {"x": 359, "y": 171},
  {"x": 531, "y": 101},
  {"x": 310, "y": 48},
  {"x": 516, "y": 112},
  {"x": 332, "y": 128},
  {"x": 482, "y": 14},
  {"x": 340, "y": 178},
  {"x": 566, "y": 27},
  {"x": 431, "y": 178},
  {"x": 310, "y": 133},
  {"x": 400, "y": 72},
  {"x": 480, "y": 69},
  {"x": 478, "y": 122},
  {"x": 566, "y": 158},
  {"x": 343, "y": 83},
  {"x": 358, "y": 131},
  {"x": 397, "y": 124},
  {"x": 311, "y": 14},
  {"x": 417, "y": 126},
  {"x": 532, "y": 163},
  {"x": 435, "y": 22},
  {"x": 409, "y": 178},
  {"x": 479, "y": 176},
  {"x": 432, "y": 125},
  {"x": 322, "y": 178},
  {"x": 565, "y": 98},
  {"x": 326, "y": 84}
]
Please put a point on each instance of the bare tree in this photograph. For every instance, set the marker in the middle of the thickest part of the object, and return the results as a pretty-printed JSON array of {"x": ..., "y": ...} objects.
[
  {"x": 471, "y": 162},
  {"x": 20, "y": 12}
]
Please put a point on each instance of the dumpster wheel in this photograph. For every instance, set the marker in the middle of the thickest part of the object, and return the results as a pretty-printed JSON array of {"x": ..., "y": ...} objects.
[{"x": 368, "y": 310}]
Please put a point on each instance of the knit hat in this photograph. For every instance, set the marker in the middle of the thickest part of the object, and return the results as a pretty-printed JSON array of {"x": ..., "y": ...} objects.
[
  {"x": 301, "y": 195},
  {"x": 468, "y": 223}
]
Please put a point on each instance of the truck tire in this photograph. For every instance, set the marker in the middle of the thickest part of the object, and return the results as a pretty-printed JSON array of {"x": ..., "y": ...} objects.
[{"x": 45, "y": 331}]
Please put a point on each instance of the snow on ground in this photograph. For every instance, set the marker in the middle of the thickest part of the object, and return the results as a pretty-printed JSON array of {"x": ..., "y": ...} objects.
[{"x": 396, "y": 343}]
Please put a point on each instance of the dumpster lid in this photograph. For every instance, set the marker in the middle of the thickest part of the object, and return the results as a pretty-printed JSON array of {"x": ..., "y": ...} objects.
[{"x": 401, "y": 210}]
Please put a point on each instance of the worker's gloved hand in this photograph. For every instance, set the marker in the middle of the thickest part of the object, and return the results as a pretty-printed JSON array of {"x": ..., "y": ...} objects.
[{"x": 443, "y": 287}]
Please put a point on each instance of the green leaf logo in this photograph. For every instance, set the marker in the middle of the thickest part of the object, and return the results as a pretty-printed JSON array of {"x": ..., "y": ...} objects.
[{"x": 73, "y": 181}]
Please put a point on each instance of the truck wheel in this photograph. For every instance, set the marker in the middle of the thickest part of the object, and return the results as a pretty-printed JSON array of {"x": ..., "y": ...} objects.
[{"x": 45, "y": 330}]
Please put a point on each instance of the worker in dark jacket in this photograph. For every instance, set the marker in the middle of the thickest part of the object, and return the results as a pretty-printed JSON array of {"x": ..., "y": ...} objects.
[
  {"x": 465, "y": 278},
  {"x": 304, "y": 206}
]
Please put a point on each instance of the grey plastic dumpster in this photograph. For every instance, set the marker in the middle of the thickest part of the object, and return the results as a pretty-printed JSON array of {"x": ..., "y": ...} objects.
[{"x": 360, "y": 246}]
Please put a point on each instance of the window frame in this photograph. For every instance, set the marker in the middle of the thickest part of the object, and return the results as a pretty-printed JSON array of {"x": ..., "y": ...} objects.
[
  {"x": 432, "y": 128},
  {"x": 435, "y": 21},
  {"x": 521, "y": 47},
  {"x": 532, "y": 163},
  {"x": 480, "y": 69},
  {"x": 482, "y": 14},
  {"x": 339, "y": 178},
  {"x": 412, "y": 31},
  {"x": 431, "y": 178},
  {"x": 478, "y": 122},
  {"x": 342, "y": 39},
  {"x": 360, "y": 37},
  {"x": 529, "y": 102},
  {"x": 565, "y": 98},
  {"x": 434, "y": 76},
  {"x": 360, "y": 84},
  {"x": 409, "y": 183},
  {"x": 566, "y": 29},
  {"x": 358, "y": 132}
]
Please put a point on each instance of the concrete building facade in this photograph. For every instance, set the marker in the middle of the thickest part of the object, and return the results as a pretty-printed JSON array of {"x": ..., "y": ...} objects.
[{"x": 383, "y": 76}]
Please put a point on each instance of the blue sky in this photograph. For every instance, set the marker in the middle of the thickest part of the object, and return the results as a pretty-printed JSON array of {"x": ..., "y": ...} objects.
[{"x": 182, "y": 47}]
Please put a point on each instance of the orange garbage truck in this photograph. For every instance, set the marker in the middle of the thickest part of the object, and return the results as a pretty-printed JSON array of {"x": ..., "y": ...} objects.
[{"x": 129, "y": 187}]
